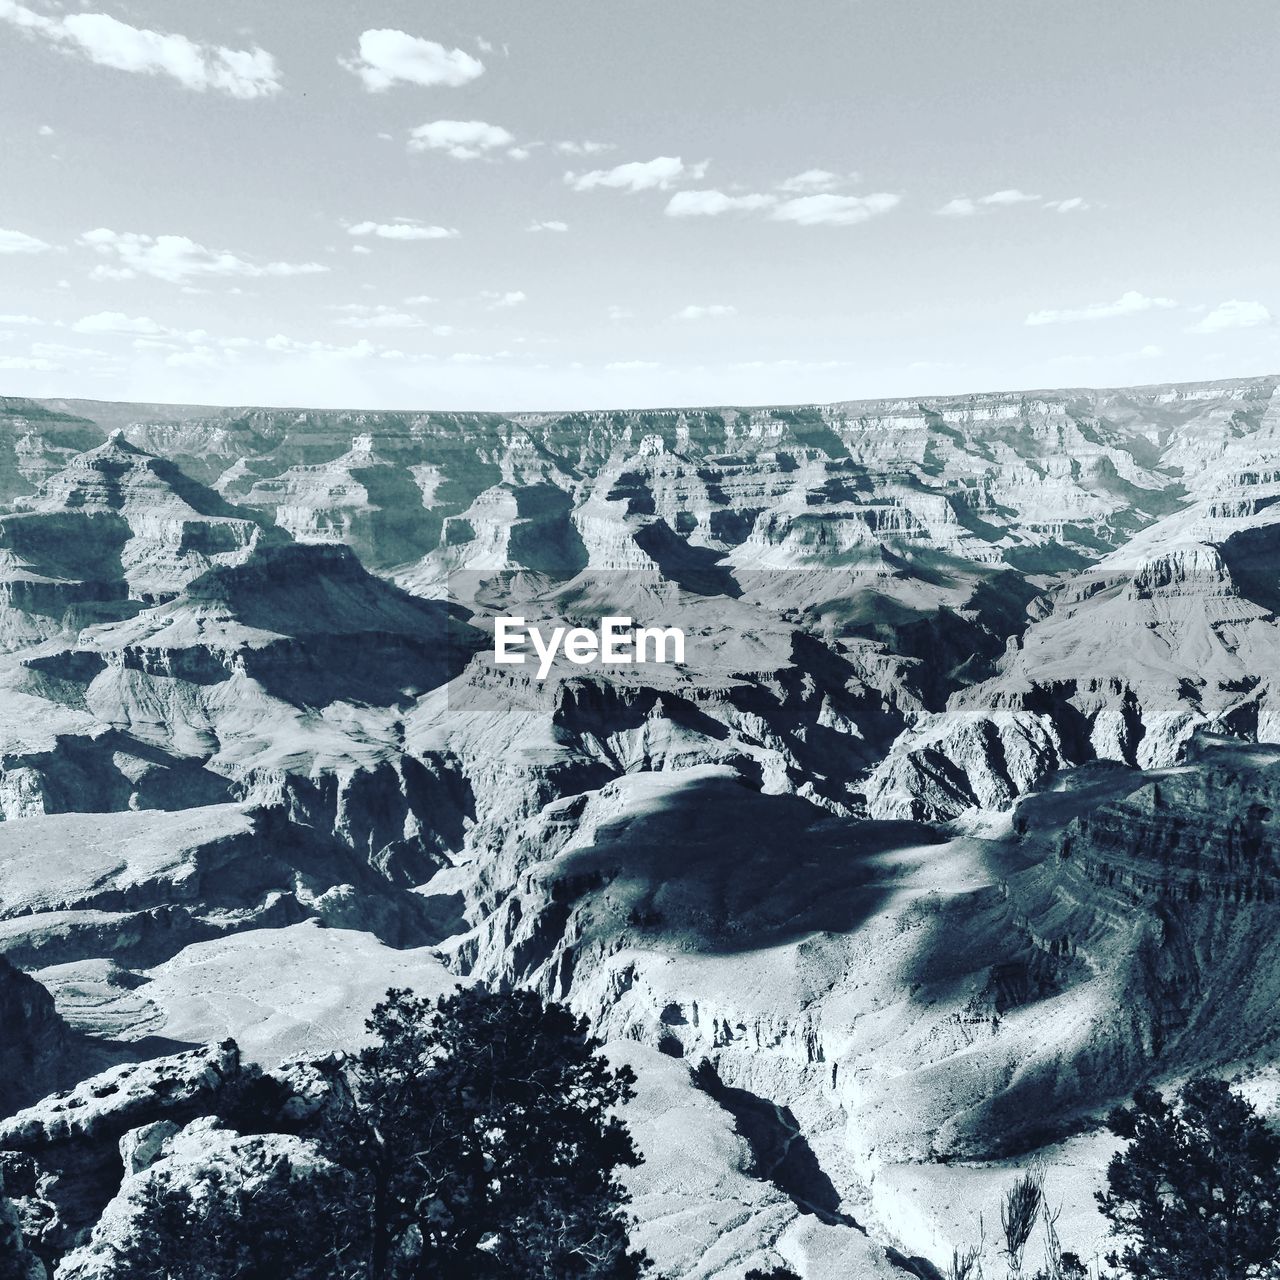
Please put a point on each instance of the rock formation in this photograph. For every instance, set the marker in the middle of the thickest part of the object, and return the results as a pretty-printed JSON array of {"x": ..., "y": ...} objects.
[{"x": 957, "y": 822}]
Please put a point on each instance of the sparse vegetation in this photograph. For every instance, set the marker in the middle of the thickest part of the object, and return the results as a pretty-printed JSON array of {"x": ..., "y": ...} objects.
[{"x": 1023, "y": 1206}]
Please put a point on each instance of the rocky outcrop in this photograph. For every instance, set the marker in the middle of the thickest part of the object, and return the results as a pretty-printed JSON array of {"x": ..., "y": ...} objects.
[
  {"x": 951, "y": 764},
  {"x": 201, "y": 1159},
  {"x": 35, "y": 1052},
  {"x": 82, "y": 1155},
  {"x": 72, "y": 1139}
]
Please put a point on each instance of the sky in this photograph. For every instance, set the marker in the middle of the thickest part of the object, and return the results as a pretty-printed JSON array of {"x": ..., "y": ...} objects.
[{"x": 512, "y": 206}]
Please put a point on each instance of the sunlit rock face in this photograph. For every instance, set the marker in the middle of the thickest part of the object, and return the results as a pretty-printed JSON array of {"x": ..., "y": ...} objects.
[{"x": 956, "y": 823}]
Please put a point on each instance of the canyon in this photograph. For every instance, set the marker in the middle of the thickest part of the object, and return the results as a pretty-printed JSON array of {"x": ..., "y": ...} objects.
[{"x": 959, "y": 819}]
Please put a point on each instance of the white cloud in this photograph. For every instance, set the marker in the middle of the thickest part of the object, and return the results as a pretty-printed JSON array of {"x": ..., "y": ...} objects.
[
  {"x": 711, "y": 311},
  {"x": 551, "y": 225},
  {"x": 815, "y": 208},
  {"x": 811, "y": 180},
  {"x": 462, "y": 139},
  {"x": 1234, "y": 314},
  {"x": 1127, "y": 304},
  {"x": 176, "y": 258},
  {"x": 358, "y": 315},
  {"x": 513, "y": 298},
  {"x": 615, "y": 313},
  {"x": 102, "y": 39},
  {"x": 118, "y": 322},
  {"x": 360, "y": 248},
  {"x": 420, "y": 300},
  {"x": 710, "y": 204},
  {"x": 387, "y": 56},
  {"x": 630, "y": 366},
  {"x": 1075, "y": 204},
  {"x": 104, "y": 272},
  {"x": 638, "y": 175},
  {"x": 583, "y": 148},
  {"x": 832, "y": 210},
  {"x": 966, "y": 207},
  {"x": 1011, "y": 195},
  {"x": 21, "y": 320},
  {"x": 402, "y": 229},
  {"x": 45, "y": 131},
  {"x": 19, "y": 241}
]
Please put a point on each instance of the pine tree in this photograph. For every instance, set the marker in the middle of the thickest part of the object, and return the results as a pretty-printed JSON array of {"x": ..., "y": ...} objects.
[
  {"x": 1196, "y": 1193},
  {"x": 483, "y": 1142}
]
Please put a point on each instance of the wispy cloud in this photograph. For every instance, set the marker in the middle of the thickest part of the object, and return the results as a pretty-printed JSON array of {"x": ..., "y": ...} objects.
[
  {"x": 387, "y": 57},
  {"x": 815, "y": 208},
  {"x": 512, "y": 298},
  {"x": 712, "y": 203},
  {"x": 363, "y": 349},
  {"x": 639, "y": 175},
  {"x": 814, "y": 180},
  {"x": 968, "y": 206},
  {"x": 712, "y": 310},
  {"x": 108, "y": 42},
  {"x": 1127, "y": 304},
  {"x": 552, "y": 224},
  {"x": 834, "y": 210},
  {"x": 461, "y": 139},
  {"x": 1008, "y": 196},
  {"x": 630, "y": 366},
  {"x": 118, "y": 322},
  {"x": 402, "y": 229},
  {"x": 585, "y": 148},
  {"x": 1234, "y": 314},
  {"x": 176, "y": 258},
  {"x": 360, "y": 315},
  {"x": 20, "y": 242}
]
